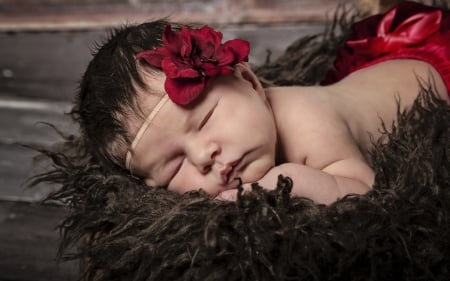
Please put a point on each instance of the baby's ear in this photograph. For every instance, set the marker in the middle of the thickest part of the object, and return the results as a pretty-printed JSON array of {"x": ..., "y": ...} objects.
[{"x": 243, "y": 71}]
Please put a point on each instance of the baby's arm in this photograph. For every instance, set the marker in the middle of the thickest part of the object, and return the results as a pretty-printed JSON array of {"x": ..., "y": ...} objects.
[{"x": 350, "y": 176}]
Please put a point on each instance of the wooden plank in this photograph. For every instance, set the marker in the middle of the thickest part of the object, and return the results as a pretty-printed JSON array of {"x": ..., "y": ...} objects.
[
  {"x": 44, "y": 64},
  {"x": 38, "y": 15},
  {"x": 16, "y": 166},
  {"x": 28, "y": 243},
  {"x": 22, "y": 120},
  {"x": 19, "y": 125},
  {"x": 378, "y": 6}
]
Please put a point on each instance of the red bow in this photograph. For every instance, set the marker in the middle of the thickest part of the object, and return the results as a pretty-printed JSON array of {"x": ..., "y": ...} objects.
[{"x": 411, "y": 31}]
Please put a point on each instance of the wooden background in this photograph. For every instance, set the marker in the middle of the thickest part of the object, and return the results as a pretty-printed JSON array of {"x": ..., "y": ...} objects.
[{"x": 45, "y": 46}]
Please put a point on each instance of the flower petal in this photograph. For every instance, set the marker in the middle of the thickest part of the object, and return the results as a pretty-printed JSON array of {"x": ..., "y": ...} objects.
[
  {"x": 207, "y": 40},
  {"x": 174, "y": 69},
  {"x": 170, "y": 40},
  {"x": 183, "y": 91},
  {"x": 241, "y": 49},
  {"x": 153, "y": 57},
  {"x": 186, "y": 42},
  {"x": 225, "y": 55},
  {"x": 210, "y": 70}
]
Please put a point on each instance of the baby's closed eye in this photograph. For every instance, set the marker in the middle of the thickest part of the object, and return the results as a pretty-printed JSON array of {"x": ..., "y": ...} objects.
[{"x": 206, "y": 118}]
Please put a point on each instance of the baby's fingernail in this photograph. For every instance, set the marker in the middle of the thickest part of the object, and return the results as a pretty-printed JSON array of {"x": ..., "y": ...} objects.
[
  {"x": 226, "y": 196},
  {"x": 220, "y": 197}
]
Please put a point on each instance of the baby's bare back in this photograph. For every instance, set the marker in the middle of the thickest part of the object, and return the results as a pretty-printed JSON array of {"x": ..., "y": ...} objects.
[
  {"x": 319, "y": 126},
  {"x": 373, "y": 95}
]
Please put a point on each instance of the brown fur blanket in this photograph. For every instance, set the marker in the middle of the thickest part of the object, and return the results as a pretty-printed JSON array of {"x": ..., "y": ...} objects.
[{"x": 398, "y": 231}]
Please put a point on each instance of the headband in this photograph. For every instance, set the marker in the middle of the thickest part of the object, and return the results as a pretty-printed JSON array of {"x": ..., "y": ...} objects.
[{"x": 143, "y": 128}]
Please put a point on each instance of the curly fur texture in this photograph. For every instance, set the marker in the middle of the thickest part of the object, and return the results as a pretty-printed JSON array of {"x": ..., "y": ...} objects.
[{"x": 398, "y": 231}]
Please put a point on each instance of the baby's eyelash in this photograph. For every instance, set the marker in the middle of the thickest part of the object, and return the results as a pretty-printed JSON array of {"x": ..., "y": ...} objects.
[{"x": 206, "y": 118}]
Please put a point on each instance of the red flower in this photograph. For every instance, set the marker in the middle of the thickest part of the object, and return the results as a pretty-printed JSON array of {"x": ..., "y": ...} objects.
[{"x": 190, "y": 59}]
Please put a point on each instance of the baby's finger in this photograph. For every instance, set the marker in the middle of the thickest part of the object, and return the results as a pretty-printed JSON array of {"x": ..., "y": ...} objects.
[
  {"x": 231, "y": 194},
  {"x": 227, "y": 195}
]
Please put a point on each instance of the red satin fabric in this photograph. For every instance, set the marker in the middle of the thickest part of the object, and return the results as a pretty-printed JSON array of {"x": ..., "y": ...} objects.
[{"x": 410, "y": 31}]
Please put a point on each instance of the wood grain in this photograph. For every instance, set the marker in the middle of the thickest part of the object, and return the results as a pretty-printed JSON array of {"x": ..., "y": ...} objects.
[
  {"x": 28, "y": 243},
  {"x": 71, "y": 14}
]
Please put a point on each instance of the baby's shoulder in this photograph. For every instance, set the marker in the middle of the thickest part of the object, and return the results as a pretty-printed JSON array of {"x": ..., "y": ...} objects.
[
  {"x": 311, "y": 130},
  {"x": 296, "y": 103}
]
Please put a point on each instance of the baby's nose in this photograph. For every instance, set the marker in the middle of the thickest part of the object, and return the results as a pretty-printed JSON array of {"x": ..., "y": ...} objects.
[{"x": 203, "y": 156}]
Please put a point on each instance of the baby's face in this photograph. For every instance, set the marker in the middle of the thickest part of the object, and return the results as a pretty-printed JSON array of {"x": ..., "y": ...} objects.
[{"x": 229, "y": 133}]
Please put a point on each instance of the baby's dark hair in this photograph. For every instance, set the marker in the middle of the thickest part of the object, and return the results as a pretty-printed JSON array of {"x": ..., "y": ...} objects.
[{"x": 107, "y": 93}]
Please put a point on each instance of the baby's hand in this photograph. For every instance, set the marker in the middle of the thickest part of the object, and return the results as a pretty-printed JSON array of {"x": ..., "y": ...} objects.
[
  {"x": 317, "y": 185},
  {"x": 268, "y": 181}
]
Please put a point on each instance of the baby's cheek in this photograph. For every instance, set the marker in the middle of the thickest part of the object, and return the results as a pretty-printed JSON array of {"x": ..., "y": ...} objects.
[{"x": 188, "y": 179}]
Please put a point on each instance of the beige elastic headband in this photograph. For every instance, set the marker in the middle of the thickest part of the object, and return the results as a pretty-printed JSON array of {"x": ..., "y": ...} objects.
[{"x": 143, "y": 128}]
